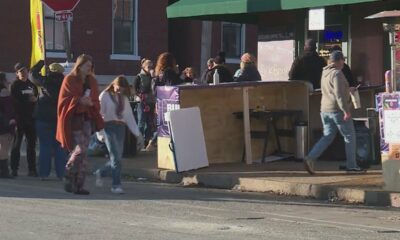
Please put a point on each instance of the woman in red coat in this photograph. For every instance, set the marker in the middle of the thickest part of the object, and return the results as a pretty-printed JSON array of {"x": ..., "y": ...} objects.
[{"x": 78, "y": 117}]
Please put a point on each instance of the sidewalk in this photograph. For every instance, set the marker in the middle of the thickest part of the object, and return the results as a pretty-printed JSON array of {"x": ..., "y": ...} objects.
[{"x": 283, "y": 177}]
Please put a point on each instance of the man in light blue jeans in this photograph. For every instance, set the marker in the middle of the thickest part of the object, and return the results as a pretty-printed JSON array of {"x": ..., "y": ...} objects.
[{"x": 335, "y": 114}]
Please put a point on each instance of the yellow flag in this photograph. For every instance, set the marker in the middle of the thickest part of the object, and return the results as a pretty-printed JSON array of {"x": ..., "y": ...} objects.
[{"x": 38, "y": 48}]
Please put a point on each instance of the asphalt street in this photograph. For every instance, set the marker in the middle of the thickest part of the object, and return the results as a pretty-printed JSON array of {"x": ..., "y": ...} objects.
[{"x": 33, "y": 209}]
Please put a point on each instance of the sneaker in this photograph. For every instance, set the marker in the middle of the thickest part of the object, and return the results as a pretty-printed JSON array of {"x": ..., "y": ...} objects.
[
  {"x": 117, "y": 190},
  {"x": 14, "y": 173},
  {"x": 99, "y": 180},
  {"x": 355, "y": 170},
  {"x": 309, "y": 166},
  {"x": 32, "y": 173}
]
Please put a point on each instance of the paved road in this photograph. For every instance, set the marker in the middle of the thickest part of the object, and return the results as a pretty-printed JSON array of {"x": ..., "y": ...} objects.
[{"x": 30, "y": 209}]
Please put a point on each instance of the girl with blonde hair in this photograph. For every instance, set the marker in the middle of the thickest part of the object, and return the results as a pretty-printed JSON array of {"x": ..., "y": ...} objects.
[{"x": 117, "y": 115}]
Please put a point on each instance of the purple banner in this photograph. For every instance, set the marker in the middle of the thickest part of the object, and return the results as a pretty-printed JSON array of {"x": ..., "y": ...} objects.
[
  {"x": 167, "y": 100},
  {"x": 386, "y": 101}
]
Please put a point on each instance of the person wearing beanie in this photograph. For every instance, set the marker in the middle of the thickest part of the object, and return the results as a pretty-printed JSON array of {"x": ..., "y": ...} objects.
[
  {"x": 346, "y": 69},
  {"x": 46, "y": 119},
  {"x": 335, "y": 114},
  {"x": 24, "y": 94},
  {"x": 309, "y": 66},
  {"x": 248, "y": 69},
  {"x": 219, "y": 65},
  {"x": 7, "y": 125}
]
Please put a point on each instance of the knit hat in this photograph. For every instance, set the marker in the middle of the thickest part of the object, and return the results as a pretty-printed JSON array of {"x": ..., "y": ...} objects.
[
  {"x": 19, "y": 66},
  {"x": 336, "y": 56},
  {"x": 56, "y": 68},
  {"x": 248, "y": 58}
]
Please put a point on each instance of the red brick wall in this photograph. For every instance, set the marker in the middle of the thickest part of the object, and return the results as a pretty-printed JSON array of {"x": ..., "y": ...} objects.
[
  {"x": 15, "y": 37},
  {"x": 91, "y": 33},
  {"x": 152, "y": 34},
  {"x": 185, "y": 43}
]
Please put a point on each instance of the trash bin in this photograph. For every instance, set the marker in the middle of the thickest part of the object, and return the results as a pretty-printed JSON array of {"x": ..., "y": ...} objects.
[{"x": 301, "y": 129}]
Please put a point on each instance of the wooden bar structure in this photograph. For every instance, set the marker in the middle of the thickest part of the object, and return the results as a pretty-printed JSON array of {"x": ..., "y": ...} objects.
[{"x": 226, "y": 135}]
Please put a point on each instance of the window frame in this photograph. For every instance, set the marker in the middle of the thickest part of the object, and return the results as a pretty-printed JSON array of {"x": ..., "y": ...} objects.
[
  {"x": 54, "y": 53},
  {"x": 126, "y": 56},
  {"x": 243, "y": 42}
]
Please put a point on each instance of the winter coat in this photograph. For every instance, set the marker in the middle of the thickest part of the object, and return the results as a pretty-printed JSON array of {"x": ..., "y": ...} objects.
[{"x": 308, "y": 68}]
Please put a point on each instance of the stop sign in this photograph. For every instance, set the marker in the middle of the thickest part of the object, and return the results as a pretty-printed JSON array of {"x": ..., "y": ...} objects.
[{"x": 61, "y": 5}]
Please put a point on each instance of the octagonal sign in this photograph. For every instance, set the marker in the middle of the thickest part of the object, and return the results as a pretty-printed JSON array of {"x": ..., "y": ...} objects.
[{"x": 61, "y": 5}]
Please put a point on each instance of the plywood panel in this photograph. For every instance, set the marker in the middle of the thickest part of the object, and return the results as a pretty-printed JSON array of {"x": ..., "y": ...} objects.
[
  {"x": 224, "y": 133},
  {"x": 165, "y": 158}
]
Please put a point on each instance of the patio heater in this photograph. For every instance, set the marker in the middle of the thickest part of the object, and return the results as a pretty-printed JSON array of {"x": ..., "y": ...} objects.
[{"x": 391, "y": 26}]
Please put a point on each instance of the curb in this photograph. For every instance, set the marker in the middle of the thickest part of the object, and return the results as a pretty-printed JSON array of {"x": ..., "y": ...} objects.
[{"x": 317, "y": 191}]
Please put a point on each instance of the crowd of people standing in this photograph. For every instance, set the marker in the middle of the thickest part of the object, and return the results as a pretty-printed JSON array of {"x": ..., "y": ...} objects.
[{"x": 64, "y": 111}]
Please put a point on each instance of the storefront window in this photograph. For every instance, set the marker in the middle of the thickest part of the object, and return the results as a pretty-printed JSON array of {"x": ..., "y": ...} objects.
[
  {"x": 328, "y": 38},
  {"x": 124, "y": 26},
  {"x": 233, "y": 40},
  {"x": 54, "y": 31}
]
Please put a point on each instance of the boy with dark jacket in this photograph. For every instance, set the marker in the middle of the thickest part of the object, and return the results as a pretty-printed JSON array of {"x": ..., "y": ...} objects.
[{"x": 24, "y": 94}]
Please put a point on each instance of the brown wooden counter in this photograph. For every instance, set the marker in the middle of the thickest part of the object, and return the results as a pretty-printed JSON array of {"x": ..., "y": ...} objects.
[{"x": 224, "y": 133}]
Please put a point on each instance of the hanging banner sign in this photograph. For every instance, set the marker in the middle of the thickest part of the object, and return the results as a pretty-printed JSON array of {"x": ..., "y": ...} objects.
[{"x": 316, "y": 19}]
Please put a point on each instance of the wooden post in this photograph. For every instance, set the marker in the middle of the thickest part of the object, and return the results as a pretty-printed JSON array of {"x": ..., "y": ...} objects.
[{"x": 246, "y": 122}]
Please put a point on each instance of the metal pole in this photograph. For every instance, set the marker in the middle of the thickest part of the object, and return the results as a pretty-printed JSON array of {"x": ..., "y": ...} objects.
[
  {"x": 67, "y": 42},
  {"x": 392, "y": 43}
]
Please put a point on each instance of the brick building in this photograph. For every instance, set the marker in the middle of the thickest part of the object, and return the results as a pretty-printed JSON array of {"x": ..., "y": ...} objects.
[{"x": 118, "y": 33}]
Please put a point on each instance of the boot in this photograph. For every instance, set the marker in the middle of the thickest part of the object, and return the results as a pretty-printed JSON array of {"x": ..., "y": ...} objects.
[{"x": 4, "y": 172}]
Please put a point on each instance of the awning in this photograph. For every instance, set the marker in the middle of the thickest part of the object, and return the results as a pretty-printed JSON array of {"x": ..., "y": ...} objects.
[{"x": 243, "y": 10}]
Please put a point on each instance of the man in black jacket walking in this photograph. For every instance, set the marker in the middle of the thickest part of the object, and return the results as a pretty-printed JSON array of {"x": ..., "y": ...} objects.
[
  {"x": 309, "y": 66},
  {"x": 24, "y": 94}
]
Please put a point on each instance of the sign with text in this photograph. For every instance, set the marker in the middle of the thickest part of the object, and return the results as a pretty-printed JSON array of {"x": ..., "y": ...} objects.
[
  {"x": 167, "y": 100},
  {"x": 316, "y": 19},
  {"x": 391, "y": 118},
  {"x": 64, "y": 16}
]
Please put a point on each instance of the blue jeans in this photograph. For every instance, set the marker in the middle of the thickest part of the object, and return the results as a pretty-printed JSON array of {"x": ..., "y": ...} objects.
[
  {"x": 48, "y": 147},
  {"x": 332, "y": 123},
  {"x": 114, "y": 138},
  {"x": 146, "y": 120}
]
